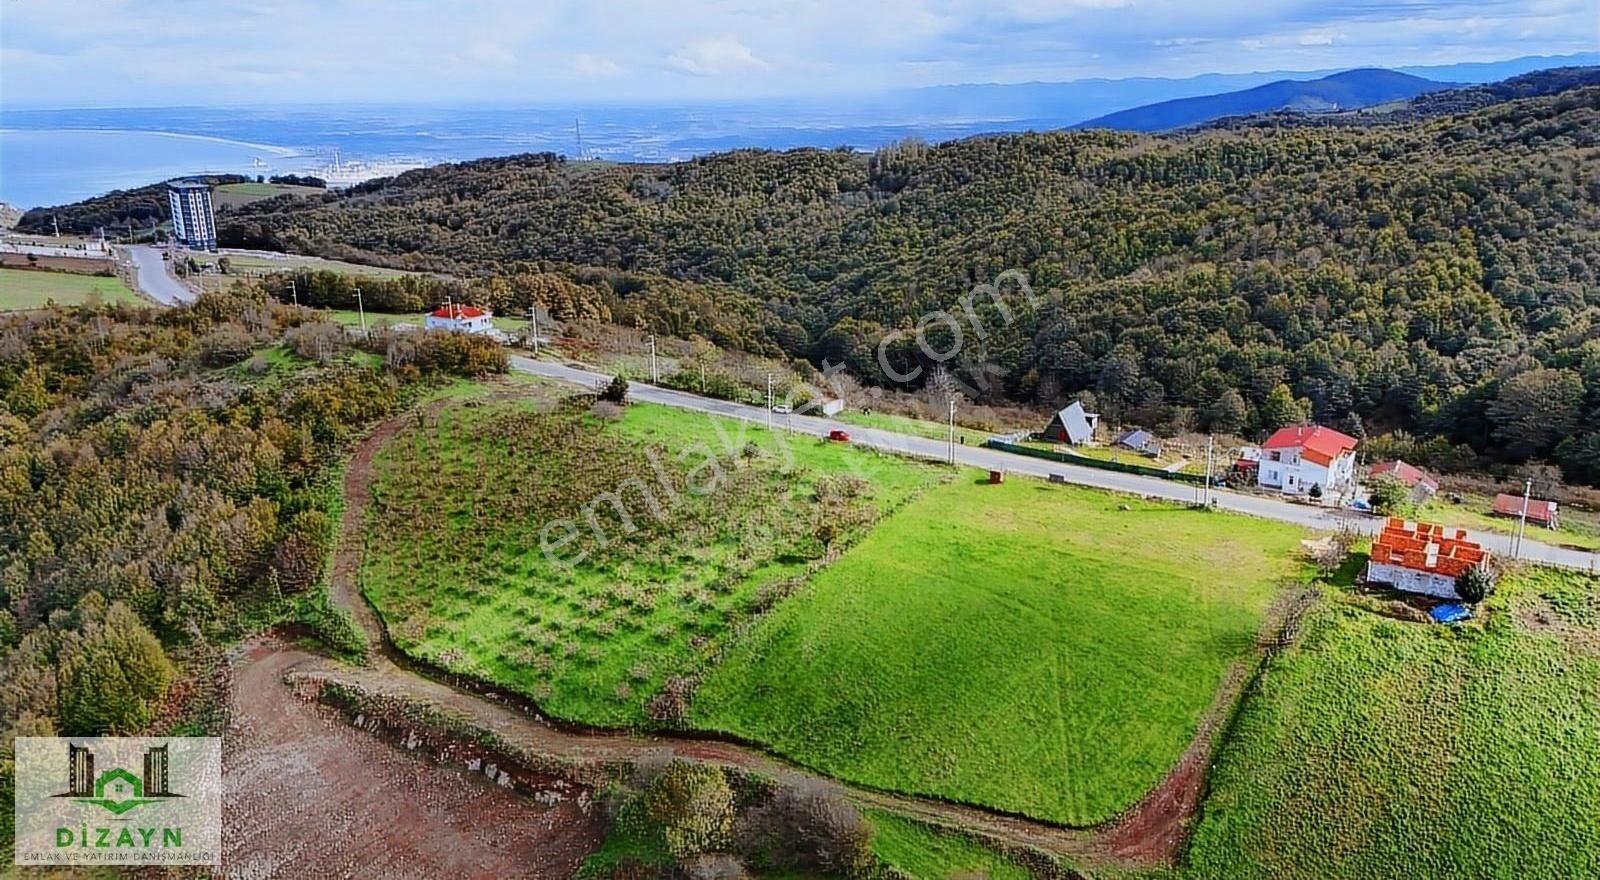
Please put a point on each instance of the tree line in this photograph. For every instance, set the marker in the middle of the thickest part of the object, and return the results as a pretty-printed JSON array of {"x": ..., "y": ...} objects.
[
  {"x": 1434, "y": 276},
  {"x": 159, "y": 480}
]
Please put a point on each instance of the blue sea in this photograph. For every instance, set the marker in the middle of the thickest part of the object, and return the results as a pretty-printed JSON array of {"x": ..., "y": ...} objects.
[{"x": 49, "y": 157}]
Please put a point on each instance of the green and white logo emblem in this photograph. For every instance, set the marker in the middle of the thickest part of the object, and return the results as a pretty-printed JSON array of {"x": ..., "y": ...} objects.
[{"x": 127, "y": 801}]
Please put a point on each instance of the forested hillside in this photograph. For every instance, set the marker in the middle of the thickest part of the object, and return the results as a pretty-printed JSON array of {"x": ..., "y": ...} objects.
[
  {"x": 1437, "y": 276},
  {"x": 166, "y": 478}
]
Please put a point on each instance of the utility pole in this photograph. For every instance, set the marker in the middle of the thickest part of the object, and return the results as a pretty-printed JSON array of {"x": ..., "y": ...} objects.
[
  {"x": 57, "y": 224},
  {"x": 362, "y": 310},
  {"x": 654, "y": 376},
  {"x": 1209, "y": 439},
  {"x": 1522, "y": 527},
  {"x": 533, "y": 328},
  {"x": 952, "y": 429},
  {"x": 769, "y": 401}
]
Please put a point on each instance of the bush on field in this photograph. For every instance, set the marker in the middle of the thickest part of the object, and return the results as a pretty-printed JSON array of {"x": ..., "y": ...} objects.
[
  {"x": 227, "y": 344},
  {"x": 1475, "y": 584},
  {"x": 689, "y": 809},
  {"x": 809, "y": 826},
  {"x": 318, "y": 341}
]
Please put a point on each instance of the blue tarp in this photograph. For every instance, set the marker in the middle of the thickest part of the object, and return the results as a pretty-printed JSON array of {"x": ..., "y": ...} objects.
[{"x": 1450, "y": 613}]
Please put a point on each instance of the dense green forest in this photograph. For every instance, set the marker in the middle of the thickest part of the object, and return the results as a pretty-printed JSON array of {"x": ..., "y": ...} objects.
[
  {"x": 166, "y": 477},
  {"x": 121, "y": 209},
  {"x": 1434, "y": 276},
  {"x": 1437, "y": 277}
]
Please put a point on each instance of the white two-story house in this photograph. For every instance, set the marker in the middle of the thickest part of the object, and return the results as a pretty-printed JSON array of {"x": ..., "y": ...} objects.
[{"x": 1297, "y": 458}]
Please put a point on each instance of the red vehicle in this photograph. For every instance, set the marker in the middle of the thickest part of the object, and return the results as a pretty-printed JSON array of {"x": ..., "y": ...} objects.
[{"x": 839, "y": 435}]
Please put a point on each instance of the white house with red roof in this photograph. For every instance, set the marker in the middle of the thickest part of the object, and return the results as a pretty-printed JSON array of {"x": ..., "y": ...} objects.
[
  {"x": 1296, "y": 459},
  {"x": 461, "y": 319}
]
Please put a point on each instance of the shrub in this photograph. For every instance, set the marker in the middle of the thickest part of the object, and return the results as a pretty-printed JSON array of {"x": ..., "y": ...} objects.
[
  {"x": 1475, "y": 584},
  {"x": 1389, "y": 497},
  {"x": 809, "y": 826},
  {"x": 615, "y": 391},
  {"x": 691, "y": 807}
]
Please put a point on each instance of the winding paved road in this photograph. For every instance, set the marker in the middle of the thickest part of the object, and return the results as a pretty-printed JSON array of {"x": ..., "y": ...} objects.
[
  {"x": 152, "y": 278},
  {"x": 981, "y": 457}
]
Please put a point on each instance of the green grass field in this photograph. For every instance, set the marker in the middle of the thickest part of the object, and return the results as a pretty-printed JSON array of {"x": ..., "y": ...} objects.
[
  {"x": 236, "y": 194},
  {"x": 1031, "y": 647},
  {"x": 466, "y": 507},
  {"x": 928, "y": 854},
  {"x": 379, "y": 319},
  {"x": 1578, "y": 528},
  {"x": 31, "y": 289},
  {"x": 1377, "y": 748}
]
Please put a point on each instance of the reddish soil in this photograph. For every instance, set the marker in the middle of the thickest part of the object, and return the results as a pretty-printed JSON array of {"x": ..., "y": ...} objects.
[
  {"x": 311, "y": 796},
  {"x": 77, "y": 265},
  {"x": 1155, "y": 830}
]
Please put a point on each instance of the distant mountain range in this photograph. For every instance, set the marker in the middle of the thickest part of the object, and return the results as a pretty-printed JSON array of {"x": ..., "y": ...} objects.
[
  {"x": 1341, "y": 91},
  {"x": 1010, "y": 106}
]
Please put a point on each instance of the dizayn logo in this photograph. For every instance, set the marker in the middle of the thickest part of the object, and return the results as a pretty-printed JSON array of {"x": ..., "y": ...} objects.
[
  {"x": 117, "y": 789},
  {"x": 128, "y": 801}
]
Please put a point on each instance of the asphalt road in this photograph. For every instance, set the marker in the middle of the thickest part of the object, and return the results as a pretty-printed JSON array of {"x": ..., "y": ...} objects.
[
  {"x": 152, "y": 277},
  {"x": 991, "y": 459}
]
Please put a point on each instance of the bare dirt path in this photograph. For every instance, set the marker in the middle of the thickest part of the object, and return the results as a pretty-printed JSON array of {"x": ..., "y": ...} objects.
[
  {"x": 311, "y": 796},
  {"x": 1151, "y": 833}
]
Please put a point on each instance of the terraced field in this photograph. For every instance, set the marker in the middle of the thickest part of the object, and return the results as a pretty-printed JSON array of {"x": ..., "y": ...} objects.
[{"x": 585, "y": 561}]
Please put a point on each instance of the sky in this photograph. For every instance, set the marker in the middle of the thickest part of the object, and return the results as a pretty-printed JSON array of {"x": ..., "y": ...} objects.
[{"x": 168, "y": 52}]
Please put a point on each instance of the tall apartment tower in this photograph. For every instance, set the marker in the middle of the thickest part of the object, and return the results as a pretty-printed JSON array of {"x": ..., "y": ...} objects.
[
  {"x": 194, "y": 225},
  {"x": 80, "y": 770},
  {"x": 155, "y": 771}
]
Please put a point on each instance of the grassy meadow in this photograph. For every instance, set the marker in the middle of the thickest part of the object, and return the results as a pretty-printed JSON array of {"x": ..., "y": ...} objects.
[
  {"x": 467, "y": 505},
  {"x": 31, "y": 289},
  {"x": 1376, "y": 748},
  {"x": 1042, "y": 649},
  {"x": 239, "y": 194}
]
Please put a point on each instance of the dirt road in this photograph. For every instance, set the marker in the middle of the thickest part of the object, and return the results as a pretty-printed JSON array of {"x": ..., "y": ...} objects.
[
  {"x": 311, "y": 796},
  {"x": 1150, "y": 834}
]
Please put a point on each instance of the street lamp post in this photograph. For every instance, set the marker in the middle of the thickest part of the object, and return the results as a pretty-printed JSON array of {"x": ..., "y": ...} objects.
[
  {"x": 654, "y": 376},
  {"x": 769, "y": 401},
  {"x": 361, "y": 309},
  {"x": 1522, "y": 527}
]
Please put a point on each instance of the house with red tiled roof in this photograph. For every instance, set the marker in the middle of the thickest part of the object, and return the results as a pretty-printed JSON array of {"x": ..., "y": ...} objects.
[
  {"x": 1421, "y": 557},
  {"x": 1308, "y": 460},
  {"x": 1414, "y": 478},
  {"x": 1541, "y": 513},
  {"x": 461, "y": 319}
]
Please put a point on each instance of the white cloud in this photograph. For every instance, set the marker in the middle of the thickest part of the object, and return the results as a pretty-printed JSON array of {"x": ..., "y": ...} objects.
[
  {"x": 596, "y": 65},
  {"x": 491, "y": 53},
  {"x": 715, "y": 57},
  {"x": 1318, "y": 38}
]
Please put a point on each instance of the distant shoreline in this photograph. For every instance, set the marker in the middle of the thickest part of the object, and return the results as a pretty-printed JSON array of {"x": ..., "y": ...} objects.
[{"x": 285, "y": 152}]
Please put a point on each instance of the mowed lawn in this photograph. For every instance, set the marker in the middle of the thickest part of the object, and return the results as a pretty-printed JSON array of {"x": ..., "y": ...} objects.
[
  {"x": 1378, "y": 749},
  {"x": 1030, "y": 647},
  {"x": 32, "y": 289}
]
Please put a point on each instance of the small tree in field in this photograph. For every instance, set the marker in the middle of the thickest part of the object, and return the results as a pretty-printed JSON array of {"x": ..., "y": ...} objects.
[
  {"x": 691, "y": 807},
  {"x": 1389, "y": 497},
  {"x": 1475, "y": 584},
  {"x": 615, "y": 391}
]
